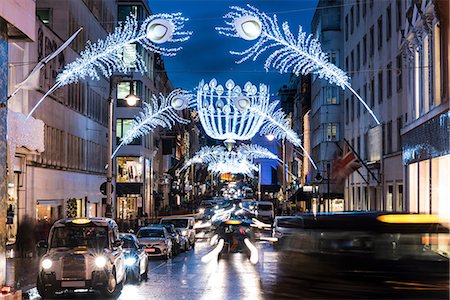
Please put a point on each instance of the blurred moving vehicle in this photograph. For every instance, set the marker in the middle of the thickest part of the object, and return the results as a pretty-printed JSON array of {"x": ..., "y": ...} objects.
[
  {"x": 184, "y": 241},
  {"x": 372, "y": 254},
  {"x": 285, "y": 227},
  {"x": 186, "y": 226},
  {"x": 82, "y": 254},
  {"x": 235, "y": 236},
  {"x": 247, "y": 193},
  {"x": 136, "y": 260},
  {"x": 265, "y": 210},
  {"x": 156, "y": 241}
]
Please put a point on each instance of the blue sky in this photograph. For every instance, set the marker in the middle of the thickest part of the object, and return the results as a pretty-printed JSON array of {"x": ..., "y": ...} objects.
[{"x": 206, "y": 55}]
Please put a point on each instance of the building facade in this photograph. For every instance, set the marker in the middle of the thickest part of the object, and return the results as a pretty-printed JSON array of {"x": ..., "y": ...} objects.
[
  {"x": 374, "y": 61},
  {"x": 426, "y": 132},
  {"x": 326, "y": 116},
  {"x": 65, "y": 179}
]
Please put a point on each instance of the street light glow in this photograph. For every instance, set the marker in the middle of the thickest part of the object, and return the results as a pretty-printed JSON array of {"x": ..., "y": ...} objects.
[{"x": 132, "y": 99}]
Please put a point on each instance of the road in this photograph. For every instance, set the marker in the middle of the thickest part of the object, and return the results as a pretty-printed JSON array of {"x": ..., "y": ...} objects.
[{"x": 277, "y": 275}]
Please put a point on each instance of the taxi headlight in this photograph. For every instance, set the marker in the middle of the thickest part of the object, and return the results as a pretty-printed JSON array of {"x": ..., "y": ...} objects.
[
  {"x": 47, "y": 264},
  {"x": 100, "y": 261},
  {"x": 130, "y": 261}
]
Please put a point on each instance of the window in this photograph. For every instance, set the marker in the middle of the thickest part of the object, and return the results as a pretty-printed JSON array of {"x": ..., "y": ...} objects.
[
  {"x": 331, "y": 95},
  {"x": 437, "y": 63},
  {"x": 365, "y": 96},
  {"x": 358, "y": 105},
  {"x": 388, "y": 23},
  {"x": 331, "y": 132},
  {"x": 129, "y": 56},
  {"x": 372, "y": 40},
  {"x": 358, "y": 145},
  {"x": 380, "y": 87},
  {"x": 358, "y": 57},
  {"x": 122, "y": 127},
  {"x": 357, "y": 12},
  {"x": 364, "y": 8},
  {"x": 45, "y": 15},
  {"x": 352, "y": 60},
  {"x": 353, "y": 107},
  {"x": 364, "y": 58},
  {"x": 398, "y": 72},
  {"x": 399, "y": 14},
  {"x": 380, "y": 32},
  {"x": 399, "y": 128},
  {"x": 129, "y": 169},
  {"x": 346, "y": 27},
  {"x": 347, "y": 112},
  {"x": 352, "y": 19},
  {"x": 389, "y": 80},
  {"x": 372, "y": 92},
  {"x": 333, "y": 57},
  {"x": 389, "y": 137}
]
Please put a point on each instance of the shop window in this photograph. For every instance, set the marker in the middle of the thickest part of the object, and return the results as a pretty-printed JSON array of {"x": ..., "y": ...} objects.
[
  {"x": 129, "y": 169},
  {"x": 331, "y": 132},
  {"x": 389, "y": 198},
  {"x": 399, "y": 197}
]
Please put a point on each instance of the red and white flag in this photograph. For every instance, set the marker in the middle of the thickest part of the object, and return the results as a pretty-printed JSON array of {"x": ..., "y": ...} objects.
[{"x": 343, "y": 167}]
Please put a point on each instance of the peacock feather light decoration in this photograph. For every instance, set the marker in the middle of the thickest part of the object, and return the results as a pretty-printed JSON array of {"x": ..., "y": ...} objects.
[
  {"x": 219, "y": 160},
  {"x": 105, "y": 57},
  {"x": 160, "y": 112},
  {"x": 301, "y": 54}
]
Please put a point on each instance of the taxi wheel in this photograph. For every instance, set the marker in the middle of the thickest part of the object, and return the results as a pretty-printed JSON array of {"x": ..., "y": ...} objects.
[
  {"x": 112, "y": 288},
  {"x": 44, "y": 292}
]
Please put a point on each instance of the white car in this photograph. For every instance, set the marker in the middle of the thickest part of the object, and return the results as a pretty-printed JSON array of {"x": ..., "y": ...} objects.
[
  {"x": 156, "y": 241},
  {"x": 82, "y": 254},
  {"x": 265, "y": 210}
]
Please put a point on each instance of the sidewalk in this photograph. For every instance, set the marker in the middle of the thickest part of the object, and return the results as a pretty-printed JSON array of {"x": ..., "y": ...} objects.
[{"x": 21, "y": 273}]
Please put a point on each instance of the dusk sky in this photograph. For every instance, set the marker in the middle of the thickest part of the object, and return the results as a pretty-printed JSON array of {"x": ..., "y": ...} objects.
[{"x": 206, "y": 55}]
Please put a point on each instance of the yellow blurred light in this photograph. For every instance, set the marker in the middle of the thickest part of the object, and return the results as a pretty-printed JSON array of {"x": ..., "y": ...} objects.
[
  {"x": 81, "y": 221},
  {"x": 413, "y": 218},
  {"x": 233, "y": 222}
]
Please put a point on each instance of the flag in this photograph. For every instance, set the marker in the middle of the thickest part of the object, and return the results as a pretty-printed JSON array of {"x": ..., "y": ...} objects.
[{"x": 345, "y": 165}]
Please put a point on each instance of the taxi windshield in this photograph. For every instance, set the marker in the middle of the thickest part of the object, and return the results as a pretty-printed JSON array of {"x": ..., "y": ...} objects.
[{"x": 80, "y": 236}]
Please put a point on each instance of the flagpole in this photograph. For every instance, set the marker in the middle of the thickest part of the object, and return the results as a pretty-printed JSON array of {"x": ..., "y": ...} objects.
[
  {"x": 360, "y": 174},
  {"x": 364, "y": 164}
]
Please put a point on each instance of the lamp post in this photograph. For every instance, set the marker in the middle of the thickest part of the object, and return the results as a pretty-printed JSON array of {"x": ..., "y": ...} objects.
[{"x": 131, "y": 100}]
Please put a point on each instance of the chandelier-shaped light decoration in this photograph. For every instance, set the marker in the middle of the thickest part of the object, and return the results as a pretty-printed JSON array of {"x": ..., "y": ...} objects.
[
  {"x": 219, "y": 160},
  {"x": 159, "y": 112},
  {"x": 224, "y": 110},
  {"x": 108, "y": 56},
  {"x": 302, "y": 54}
]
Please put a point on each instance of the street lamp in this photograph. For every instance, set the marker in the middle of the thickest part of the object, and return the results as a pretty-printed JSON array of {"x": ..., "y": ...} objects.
[
  {"x": 271, "y": 137},
  {"x": 131, "y": 100}
]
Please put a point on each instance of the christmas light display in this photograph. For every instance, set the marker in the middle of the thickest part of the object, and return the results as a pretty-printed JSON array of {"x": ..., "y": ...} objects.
[
  {"x": 223, "y": 112},
  {"x": 159, "y": 112},
  {"x": 301, "y": 54},
  {"x": 107, "y": 56},
  {"x": 240, "y": 161}
]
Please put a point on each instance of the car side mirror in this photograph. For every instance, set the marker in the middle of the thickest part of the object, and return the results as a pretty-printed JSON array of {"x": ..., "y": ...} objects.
[
  {"x": 42, "y": 245},
  {"x": 117, "y": 244}
]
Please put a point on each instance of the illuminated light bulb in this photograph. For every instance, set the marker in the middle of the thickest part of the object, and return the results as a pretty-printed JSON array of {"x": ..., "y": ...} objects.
[
  {"x": 132, "y": 99},
  {"x": 270, "y": 137},
  {"x": 242, "y": 103},
  {"x": 179, "y": 103},
  {"x": 248, "y": 27},
  {"x": 229, "y": 143},
  {"x": 160, "y": 31}
]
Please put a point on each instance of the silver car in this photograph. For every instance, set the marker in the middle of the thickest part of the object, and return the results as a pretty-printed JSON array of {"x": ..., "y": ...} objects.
[
  {"x": 82, "y": 254},
  {"x": 156, "y": 241}
]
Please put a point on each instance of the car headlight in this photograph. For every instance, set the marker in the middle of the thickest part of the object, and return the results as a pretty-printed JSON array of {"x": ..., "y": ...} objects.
[
  {"x": 130, "y": 261},
  {"x": 47, "y": 264},
  {"x": 100, "y": 261}
]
